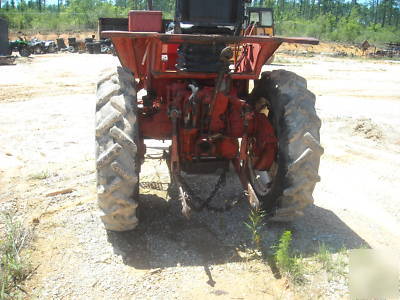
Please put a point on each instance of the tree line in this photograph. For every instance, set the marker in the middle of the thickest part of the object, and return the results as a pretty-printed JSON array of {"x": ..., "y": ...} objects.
[{"x": 335, "y": 20}]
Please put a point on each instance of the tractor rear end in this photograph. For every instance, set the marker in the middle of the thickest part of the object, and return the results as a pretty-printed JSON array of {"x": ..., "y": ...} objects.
[{"x": 195, "y": 71}]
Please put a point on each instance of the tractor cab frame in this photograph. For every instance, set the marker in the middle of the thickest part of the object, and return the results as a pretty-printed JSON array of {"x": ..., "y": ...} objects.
[{"x": 262, "y": 19}]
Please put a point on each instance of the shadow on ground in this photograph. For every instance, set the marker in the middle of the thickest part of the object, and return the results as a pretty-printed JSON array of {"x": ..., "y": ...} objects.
[
  {"x": 165, "y": 238},
  {"x": 322, "y": 226}
]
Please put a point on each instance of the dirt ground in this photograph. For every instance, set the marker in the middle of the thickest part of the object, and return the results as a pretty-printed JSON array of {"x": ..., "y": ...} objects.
[{"x": 47, "y": 145}]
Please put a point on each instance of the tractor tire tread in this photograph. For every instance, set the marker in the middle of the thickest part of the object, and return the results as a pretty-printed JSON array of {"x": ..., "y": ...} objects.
[
  {"x": 116, "y": 150},
  {"x": 295, "y": 119}
]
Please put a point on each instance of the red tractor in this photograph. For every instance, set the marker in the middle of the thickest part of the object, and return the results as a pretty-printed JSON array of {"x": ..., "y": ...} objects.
[{"x": 196, "y": 71}]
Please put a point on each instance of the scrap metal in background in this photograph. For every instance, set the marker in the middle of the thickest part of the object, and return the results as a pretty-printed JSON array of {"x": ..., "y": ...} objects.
[
  {"x": 89, "y": 45},
  {"x": 116, "y": 24},
  {"x": 5, "y": 57},
  {"x": 3, "y": 37},
  {"x": 392, "y": 50},
  {"x": 37, "y": 46}
]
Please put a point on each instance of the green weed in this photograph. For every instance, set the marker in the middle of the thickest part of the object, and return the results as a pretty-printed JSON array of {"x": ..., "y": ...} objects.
[
  {"x": 255, "y": 225},
  {"x": 324, "y": 256},
  {"x": 14, "y": 267},
  {"x": 288, "y": 263},
  {"x": 332, "y": 263}
]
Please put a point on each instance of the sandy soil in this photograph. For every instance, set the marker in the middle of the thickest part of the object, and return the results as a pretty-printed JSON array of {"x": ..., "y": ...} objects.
[
  {"x": 328, "y": 48},
  {"x": 47, "y": 145}
]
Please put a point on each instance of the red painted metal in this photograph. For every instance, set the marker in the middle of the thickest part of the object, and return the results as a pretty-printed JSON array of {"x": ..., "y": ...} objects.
[
  {"x": 202, "y": 119},
  {"x": 188, "y": 142},
  {"x": 156, "y": 126},
  {"x": 207, "y": 38},
  {"x": 145, "y": 21},
  {"x": 228, "y": 148},
  {"x": 235, "y": 120},
  {"x": 142, "y": 52},
  {"x": 265, "y": 144},
  {"x": 217, "y": 122}
]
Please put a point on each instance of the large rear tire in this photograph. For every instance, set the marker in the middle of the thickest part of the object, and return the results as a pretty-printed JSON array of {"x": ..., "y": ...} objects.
[
  {"x": 116, "y": 150},
  {"x": 292, "y": 114}
]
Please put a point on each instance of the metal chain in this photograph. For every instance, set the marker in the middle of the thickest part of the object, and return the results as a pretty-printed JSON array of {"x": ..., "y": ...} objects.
[
  {"x": 198, "y": 204},
  {"x": 153, "y": 185},
  {"x": 190, "y": 200}
]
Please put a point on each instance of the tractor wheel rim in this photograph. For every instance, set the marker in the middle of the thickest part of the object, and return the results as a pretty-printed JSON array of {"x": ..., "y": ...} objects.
[{"x": 261, "y": 180}]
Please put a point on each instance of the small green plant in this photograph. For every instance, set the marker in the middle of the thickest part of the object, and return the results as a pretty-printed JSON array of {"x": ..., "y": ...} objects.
[
  {"x": 324, "y": 256},
  {"x": 13, "y": 266},
  {"x": 342, "y": 262},
  {"x": 288, "y": 263},
  {"x": 39, "y": 175},
  {"x": 282, "y": 254},
  {"x": 255, "y": 225},
  {"x": 334, "y": 264}
]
